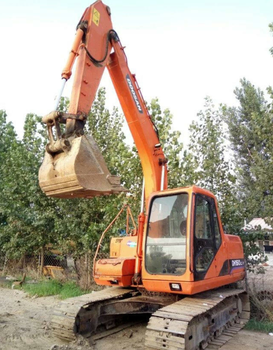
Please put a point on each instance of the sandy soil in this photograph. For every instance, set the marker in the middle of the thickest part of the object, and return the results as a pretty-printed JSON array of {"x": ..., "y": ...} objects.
[{"x": 25, "y": 325}]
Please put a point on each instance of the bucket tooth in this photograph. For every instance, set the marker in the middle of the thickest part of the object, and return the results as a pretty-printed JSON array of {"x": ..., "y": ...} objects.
[{"x": 79, "y": 172}]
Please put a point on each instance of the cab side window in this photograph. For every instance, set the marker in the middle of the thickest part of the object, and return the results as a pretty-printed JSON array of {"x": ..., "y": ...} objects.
[
  {"x": 218, "y": 238},
  {"x": 207, "y": 237},
  {"x": 202, "y": 223}
]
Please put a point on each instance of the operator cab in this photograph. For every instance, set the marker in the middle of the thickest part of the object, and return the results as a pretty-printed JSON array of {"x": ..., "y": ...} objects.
[{"x": 186, "y": 250}]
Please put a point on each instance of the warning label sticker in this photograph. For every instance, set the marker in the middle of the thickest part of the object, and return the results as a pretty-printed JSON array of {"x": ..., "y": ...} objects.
[{"x": 96, "y": 17}]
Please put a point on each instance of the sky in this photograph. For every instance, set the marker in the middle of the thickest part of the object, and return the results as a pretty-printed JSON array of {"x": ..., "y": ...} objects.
[{"x": 180, "y": 50}]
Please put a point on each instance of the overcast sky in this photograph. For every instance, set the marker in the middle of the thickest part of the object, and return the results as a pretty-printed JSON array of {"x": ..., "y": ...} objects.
[{"x": 181, "y": 51}]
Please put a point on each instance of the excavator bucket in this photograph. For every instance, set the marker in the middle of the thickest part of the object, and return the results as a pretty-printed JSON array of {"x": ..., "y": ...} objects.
[{"x": 79, "y": 172}]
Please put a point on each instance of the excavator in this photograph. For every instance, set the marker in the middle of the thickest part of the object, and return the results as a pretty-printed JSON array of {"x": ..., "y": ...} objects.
[{"x": 178, "y": 268}]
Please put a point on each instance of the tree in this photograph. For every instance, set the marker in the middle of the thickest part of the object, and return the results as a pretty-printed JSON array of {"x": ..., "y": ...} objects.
[
  {"x": 271, "y": 30},
  {"x": 33, "y": 220},
  {"x": 8, "y": 144},
  {"x": 83, "y": 220},
  {"x": 29, "y": 214},
  {"x": 251, "y": 135},
  {"x": 170, "y": 141},
  {"x": 207, "y": 159}
]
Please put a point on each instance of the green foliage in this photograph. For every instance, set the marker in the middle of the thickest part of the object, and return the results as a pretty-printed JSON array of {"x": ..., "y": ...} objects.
[
  {"x": 207, "y": 165},
  {"x": 70, "y": 290},
  {"x": 253, "y": 255},
  {"x": 251, "y": 135},
  {"x": 8, "y": 137},
  {"x": 207, "y": 145},
  {"x": 43, "y": 288},
  {"x": 121, "y": 159},
  {"x": 259, "y": 326},
  {"x": 107, "y": 130},
  {"x": 29, "y": 214},
  {"x": 53, "y": 287},
  {"x": 170, "y": 141},
  {"x": 30, "y": 220},
  {"x": 8, "y": 143},
  {"x": 271, "y": 30}
]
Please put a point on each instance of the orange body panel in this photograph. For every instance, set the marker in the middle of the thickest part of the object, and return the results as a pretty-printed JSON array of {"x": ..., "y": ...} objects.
[
  {"x": 121, "y": 267},
  {"x": 190, "y": 288},
  {"x": 114, "y": 272},
  {"x": 123, "y": 247}
]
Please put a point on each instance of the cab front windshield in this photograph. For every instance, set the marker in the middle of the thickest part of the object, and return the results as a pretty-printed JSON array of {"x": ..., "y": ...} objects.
[{"x": 166, "y": 235}]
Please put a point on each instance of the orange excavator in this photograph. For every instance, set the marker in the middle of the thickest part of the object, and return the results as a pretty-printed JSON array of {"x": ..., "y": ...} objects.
[{"x": 178, "y": 267}]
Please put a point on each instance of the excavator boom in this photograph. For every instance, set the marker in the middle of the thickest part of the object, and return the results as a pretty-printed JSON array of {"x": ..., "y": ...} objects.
[{"x": 73, "y": 165}]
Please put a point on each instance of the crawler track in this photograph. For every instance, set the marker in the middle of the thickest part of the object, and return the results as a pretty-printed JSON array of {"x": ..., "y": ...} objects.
[
  {"x": 205, "y": 321},
  {"x": 75, "y": 315}
]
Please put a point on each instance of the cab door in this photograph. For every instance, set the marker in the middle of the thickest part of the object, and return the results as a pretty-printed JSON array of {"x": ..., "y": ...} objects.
[{"x": 207, "y": 237}]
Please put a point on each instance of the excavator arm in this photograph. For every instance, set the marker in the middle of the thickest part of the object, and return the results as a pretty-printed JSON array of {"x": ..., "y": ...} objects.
[{"x": 73, "y": 165}]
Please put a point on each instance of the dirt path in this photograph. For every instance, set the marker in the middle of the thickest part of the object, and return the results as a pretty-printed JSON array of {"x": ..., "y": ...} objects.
[
  {"x": 24, "y": 321},
  {"x": 25, "y": 325}
]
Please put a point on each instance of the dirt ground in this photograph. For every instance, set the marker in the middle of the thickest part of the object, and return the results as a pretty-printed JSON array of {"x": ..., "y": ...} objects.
[{"x": 25, "y": 325}]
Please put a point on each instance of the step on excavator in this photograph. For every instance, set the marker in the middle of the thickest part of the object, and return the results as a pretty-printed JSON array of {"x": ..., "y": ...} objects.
[{"x": 178, "y": 267}]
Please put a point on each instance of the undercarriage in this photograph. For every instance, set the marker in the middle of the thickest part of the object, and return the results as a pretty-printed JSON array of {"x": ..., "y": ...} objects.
[{"x": 204, "y": 321}]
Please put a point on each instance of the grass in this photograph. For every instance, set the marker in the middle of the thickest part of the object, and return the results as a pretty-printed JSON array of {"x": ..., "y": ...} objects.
[
  {"x": 259, "y": 326},
  {"x": 53, "y": 287},
  {"x": 70, "y": 289},
  {"x": 5, "y": 284}
]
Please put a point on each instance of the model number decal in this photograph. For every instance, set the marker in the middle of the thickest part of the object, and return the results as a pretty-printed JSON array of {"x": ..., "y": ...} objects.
[
  {"x": 131, "y": 87},
  {"x": 237, "y": 263}
]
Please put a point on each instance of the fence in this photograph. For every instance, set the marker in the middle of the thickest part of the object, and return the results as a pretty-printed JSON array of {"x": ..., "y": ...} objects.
[{"x": 73, "y": 268}]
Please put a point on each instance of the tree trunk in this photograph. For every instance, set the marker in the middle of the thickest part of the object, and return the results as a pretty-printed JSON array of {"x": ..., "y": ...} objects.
[{"x": 42, "y": 260}]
